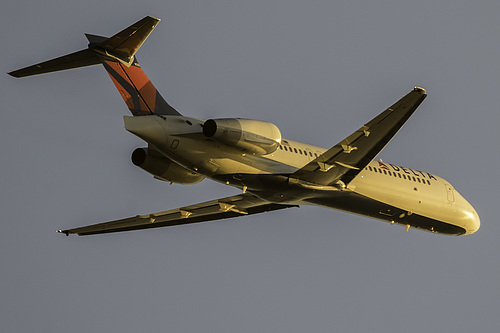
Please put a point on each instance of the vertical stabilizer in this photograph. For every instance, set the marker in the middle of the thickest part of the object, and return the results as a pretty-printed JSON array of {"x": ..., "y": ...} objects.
[{"x": 137, "y": 90}]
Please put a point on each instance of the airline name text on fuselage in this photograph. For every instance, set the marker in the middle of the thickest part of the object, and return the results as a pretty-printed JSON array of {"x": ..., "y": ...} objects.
[{"x": 408, "y": 171}]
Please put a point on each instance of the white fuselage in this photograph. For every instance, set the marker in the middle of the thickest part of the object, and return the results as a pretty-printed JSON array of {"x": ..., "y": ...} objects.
[{"x": 385, "y": 191}]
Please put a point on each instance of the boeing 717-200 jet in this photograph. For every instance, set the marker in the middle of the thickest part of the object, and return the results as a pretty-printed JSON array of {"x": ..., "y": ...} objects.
[{"x": 272, "y": 172}]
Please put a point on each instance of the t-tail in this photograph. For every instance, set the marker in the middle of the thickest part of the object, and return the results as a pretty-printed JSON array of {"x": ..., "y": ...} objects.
[{"x": 117, "y": 54}]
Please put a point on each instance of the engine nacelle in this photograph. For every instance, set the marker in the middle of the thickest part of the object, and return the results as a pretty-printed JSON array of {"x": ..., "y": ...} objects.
[
  {"x": 163, "y": 168},
  {"x": 251, "y": 136}
]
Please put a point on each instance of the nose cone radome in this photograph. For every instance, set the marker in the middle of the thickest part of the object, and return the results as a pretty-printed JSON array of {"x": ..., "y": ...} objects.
[
  {"x": 147, "y": 128},
  {"x": 473, "y": 222},
  {"x": 466, "y": 215}
]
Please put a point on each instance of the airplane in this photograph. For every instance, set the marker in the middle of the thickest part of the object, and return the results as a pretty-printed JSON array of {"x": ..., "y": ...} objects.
[{"x": 272, "y": 172}]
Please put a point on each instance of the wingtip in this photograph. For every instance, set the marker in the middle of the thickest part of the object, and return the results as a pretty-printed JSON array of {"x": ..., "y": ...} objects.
[
  {"x": 421, "y": 90},
  {"x": 14, "y": 74},
  {"x": 63, "y": 232},
  {"x": 154, "y": 18}
]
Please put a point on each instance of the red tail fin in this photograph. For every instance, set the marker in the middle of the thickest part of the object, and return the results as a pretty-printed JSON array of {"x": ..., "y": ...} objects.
[
  {"x": 136, "y": 89},
  {"x": 117, "y": 54}
]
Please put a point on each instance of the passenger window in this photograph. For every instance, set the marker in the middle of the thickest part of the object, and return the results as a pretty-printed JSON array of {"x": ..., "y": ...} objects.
[
  {"x": 281, "y": 147},
  {"x": 414, "y": 179},
  {"x": 370, "y": 168},
  {"x": 286, "y": 149},
  {"x": 300, "y": 151},
  {"x": 316, "y": 155},
  {"x": 295, "y": 149},
  {"x": 418, "y": 179},
  {"x": 399, "y": 175},
  {"x": 385, "y": 172},
  {"x": 428, "y": 182},
  {"x": 310, "y": 154},
  {"x": 389, "y": 173}
]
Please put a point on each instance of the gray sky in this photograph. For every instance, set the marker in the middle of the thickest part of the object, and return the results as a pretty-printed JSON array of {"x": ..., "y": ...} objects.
[{"x": 317, "y": 69}]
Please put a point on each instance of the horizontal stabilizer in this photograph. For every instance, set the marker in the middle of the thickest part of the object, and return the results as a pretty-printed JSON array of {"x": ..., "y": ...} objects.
[
  {"x": 117, "y": 55},
  {"x": 77, "y": 59},
  {"x": 123, "y": 46},
  {"x": 120, "y": 47}
]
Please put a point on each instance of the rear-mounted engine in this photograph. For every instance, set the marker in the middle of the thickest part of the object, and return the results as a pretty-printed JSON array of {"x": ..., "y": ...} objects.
[
  {"x": 248, "y": 135},
  {"x": 163, "y": 168}
]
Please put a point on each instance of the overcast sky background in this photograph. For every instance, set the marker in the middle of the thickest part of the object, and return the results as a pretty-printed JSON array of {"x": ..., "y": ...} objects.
[{"x": 317, "y": 69}]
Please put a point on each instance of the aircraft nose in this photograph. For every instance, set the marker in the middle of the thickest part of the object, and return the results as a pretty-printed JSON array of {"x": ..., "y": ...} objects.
[
  {"x": 465, "y": 215},
  {"x": 147, "y": 128},
  {"x": 473, "y": 222}
]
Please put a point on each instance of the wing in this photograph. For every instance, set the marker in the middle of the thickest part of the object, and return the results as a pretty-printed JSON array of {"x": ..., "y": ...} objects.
[
  {"x": 347, "y": 158},
  {"x": 238, "y": 205}
]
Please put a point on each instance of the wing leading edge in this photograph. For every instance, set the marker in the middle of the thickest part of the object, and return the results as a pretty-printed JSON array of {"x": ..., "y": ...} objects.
[
  {"x": 234, "y": 206},
  {"x": 347, "y": 158}
]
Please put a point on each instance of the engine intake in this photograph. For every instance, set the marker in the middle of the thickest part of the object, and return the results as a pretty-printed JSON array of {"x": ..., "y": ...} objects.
[
  {"x": 251, "y": 136},
  {"x": 163, "y": 168}
]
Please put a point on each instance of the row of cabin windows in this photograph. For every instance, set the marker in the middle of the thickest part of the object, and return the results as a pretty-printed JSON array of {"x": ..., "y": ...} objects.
[
  {"x": 297, "y": 151},
  {"x": 395, "y": 174}
]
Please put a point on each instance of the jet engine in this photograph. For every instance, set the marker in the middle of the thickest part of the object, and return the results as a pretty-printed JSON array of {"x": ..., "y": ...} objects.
[
  {"x": 163, "y": 168},
  {"x": 251, "y": 136}
]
